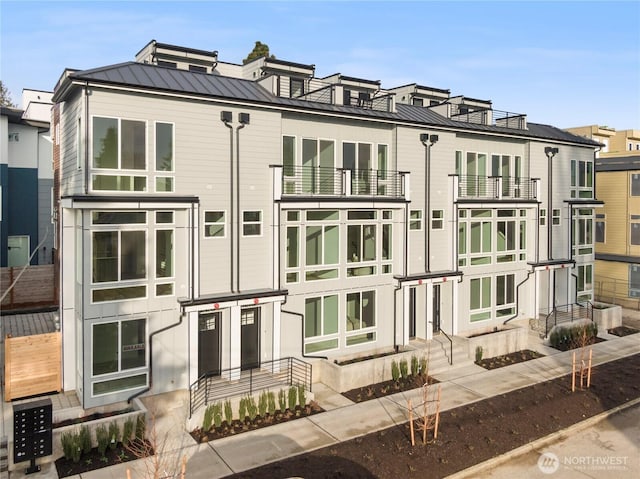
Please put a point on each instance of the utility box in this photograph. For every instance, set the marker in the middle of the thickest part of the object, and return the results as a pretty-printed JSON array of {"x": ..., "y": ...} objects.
[{"x": 32, "y": 432}]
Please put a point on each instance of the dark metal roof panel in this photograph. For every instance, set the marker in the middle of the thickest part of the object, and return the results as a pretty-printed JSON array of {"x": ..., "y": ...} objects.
[
  {"x": 621, "y": 163},
  {"x": 183, "y": 81}
]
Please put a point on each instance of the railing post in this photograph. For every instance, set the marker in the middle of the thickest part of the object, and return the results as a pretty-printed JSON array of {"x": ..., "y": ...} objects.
[
  {"x": 346, "y": 178},
  {"x": 277, "y": 182}
]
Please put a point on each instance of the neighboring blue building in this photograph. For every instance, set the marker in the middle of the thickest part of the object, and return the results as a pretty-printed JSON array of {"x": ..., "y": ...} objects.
[{"x": 26, "y": 181}]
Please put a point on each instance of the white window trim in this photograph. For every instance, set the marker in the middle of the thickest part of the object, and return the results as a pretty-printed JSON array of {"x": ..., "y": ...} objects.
[
  {"x": 441, "y": 219},
  {"x": 204, "y": 224},
  {"x": 120, "y": 371},
  {"x": 173, "y": 147},
  {"x": 324, "y": 337},
  {"x": 261, "y": 223},
  {"x": 420, "y": 220},
  {"x": 119, "y": 168}
]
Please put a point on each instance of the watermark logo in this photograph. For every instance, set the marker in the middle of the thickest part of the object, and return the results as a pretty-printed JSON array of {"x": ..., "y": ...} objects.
[{"x": 548, "y": 463}]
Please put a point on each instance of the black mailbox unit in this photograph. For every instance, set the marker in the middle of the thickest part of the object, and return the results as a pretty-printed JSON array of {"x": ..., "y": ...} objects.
[{"x": 32, "y": 432}]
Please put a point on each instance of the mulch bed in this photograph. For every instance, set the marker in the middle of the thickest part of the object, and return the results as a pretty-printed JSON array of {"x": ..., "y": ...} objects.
[
  {"x": 93, "y": 460},
  {"x": 468, "y": 434},
  {"x": 622, "y": 331},
  {"x": 386, "y": 388},
  {"x": 238, "y": 427},
  {"x": 509, "y": 359}
]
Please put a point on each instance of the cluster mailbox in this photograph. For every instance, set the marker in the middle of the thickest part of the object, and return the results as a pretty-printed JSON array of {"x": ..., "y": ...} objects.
[{"x": 32, "y": 432}]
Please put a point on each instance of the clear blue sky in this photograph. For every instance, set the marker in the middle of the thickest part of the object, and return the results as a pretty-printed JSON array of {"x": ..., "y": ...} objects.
[{"x": 563, "y": 63}]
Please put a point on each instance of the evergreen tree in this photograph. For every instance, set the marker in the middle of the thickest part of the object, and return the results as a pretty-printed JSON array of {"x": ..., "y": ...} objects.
[{"x": 259, "y": 50}]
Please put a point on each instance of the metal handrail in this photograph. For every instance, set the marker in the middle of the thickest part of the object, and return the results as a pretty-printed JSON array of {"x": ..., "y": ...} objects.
[
  {"x": 569, "y": 314},
  {"x": 218, "y": 386},
  {"x": 450, "y": 346}
]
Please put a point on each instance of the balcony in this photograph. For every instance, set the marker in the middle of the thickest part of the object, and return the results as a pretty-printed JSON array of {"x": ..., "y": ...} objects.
[
  {"x": 470, "y": 187},
  {"x": 317, "y": 181}
]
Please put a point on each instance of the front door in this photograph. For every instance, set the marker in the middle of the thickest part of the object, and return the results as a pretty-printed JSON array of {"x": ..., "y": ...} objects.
[
  {"x": 209, "y": 343},
  {"x": 436, "y": 308},
  {"x": 250, "y": 338},
  {"x": 412, "y": 312},
  {"x": 18, "y": 254}
]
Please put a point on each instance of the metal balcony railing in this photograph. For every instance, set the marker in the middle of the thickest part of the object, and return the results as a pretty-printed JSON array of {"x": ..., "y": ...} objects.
[
  {"x": 212, "y": 387},
  {"x": 496, "y": 187},
  {"x": 322, "y": 181}
]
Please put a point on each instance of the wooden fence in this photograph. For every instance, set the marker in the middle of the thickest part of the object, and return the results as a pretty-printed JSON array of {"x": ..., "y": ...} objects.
[
  {"x": 35, "y": 288},
  {"x": 32, "y": 365}
]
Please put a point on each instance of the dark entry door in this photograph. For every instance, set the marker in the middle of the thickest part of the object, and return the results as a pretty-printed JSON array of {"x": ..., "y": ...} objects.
[
  {"x": 412, "y": 312},
  {"x": 436, "y": 308},
  {"x": 250, "y": 338},
  {"x": 209, "y": 343}
]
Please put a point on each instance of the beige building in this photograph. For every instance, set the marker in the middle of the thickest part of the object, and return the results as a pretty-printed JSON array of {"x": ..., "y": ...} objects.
[{"x": 615, "y": 142}]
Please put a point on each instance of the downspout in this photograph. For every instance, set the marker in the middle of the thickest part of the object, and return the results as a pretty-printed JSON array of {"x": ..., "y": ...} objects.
[
  {"x": 301, "y": 316},
  {"x": 238, "y": 128},
  {"x": 151, "y": 336},
  {"x": 529, "y": 273},
  {"x": 550, "y": 209},
  {"x": 86, "y": 138},
  {"x": 193, "y": 255},
  {"x": 231, "y": 203},
  {"x": 428, "y": 141},
  {"x": 395, "y": 315}
]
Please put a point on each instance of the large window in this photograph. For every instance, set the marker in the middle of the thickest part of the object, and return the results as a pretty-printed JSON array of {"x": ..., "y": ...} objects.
[
  {"x": 581, "y": 179},
  {"x": 118, "y": 346},
  {"x": 120, "y": 156},
  {"x": 361, "y": 317},
  {"x": 119, "y": 256},
  {"x": 321, "y": 323},
  {"x": 634, "y": 230}
]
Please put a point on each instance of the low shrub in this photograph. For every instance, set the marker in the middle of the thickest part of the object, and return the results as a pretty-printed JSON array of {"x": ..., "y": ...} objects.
[
  {"x": 252, "y": 409},
  {"x": 262, "y": 404},
  {"x": 573, "y": 337},
  {"x": 282, "y": 400},
  {"x": 85, "y": 439},
  {"x": 395, "y": 370},
  {"x": 302, "y": 395},
  {"x": 114, "y": 435},
  {"x": 292, "y": 397},
  {"x": 207, "y": 419},
  {"x": 271, "y": 403},
  {"x": 71, "y": 446},
  {"x": 242, "y": 409},
  {"x": 479, "y": 353},
  {"x": 217, "y": 414},
  {"x": 141, "y": 427},
  {"x": 404, "y": 368},
  {"x": 414, "y": 366},
  {"x": 228, "y": 412},
  {"x": 127, "y": 431},
  {"x": 102, "y": 436},
  {"x": 423, "y": 365}
]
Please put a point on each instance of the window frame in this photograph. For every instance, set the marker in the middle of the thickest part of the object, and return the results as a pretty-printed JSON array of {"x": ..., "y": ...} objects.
[
  {"x": 367, "y": 331},
  {"x": 206, "y": 224},
  {"x": 437, "y": 219},
  {"x": 600, "y": 228},
  {"x": 323, "y": 337},
  {"x": 250, "y": 223},
  {"x": 415, "y": 221}
]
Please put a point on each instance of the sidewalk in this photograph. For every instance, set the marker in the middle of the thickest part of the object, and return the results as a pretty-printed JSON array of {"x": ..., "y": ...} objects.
[{"x": 343, "y": 419}]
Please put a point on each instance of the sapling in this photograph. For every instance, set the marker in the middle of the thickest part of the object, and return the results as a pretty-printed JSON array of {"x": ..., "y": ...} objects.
[{"x": 302, "y": 397}]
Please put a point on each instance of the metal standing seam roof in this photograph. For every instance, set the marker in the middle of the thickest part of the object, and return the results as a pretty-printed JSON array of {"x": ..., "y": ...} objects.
[{"x": 141, "y": 75}]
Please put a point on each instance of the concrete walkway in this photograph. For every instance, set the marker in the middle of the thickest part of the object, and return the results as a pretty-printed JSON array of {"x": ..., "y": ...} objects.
[{"x": 343, "y": 421}]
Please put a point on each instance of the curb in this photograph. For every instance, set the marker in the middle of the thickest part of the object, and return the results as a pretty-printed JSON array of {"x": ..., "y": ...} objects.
[{"x": 474, "y": 471}]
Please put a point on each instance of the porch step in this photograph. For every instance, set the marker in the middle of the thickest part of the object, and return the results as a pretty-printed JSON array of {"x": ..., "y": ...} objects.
[{"x": 440, "y": 350}]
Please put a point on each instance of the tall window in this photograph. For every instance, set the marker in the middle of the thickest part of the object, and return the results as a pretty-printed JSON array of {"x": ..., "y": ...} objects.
[
  {"x": 118, "y": 347},
  {"x": 634, "y": 280},
  {"x": 585, "y": 282},
  {"x": 634, "y": 233},
  {"x": 361, "y": 241},
  {"x": 600, "y": 227},
  {"x": 583, "y": 232},
  {"x": 437, "y": 219},
  {"x": 505, "y": 295},
  {"x": 635, "y": 184},
  {"x": 322, "y": 245},
  {"x": 480, "y": 298},
  {"x": 582, "y": 178},
  {"x": 297, "y": 87},
  {"x": 357, "y": 157},
  {"x": 361, "y": 317},
  {"x": 79, "y": 145},
  {"x": 321, "y": 323},
  {"x": 164, "y": 156},
  {"x": 289, "y": 163},
  {"x": 480, "y": 237},
  {"x": 119, "y": 254}
]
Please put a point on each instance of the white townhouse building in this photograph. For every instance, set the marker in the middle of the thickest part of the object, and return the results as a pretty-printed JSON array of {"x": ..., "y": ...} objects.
[{"x": 217, "y": 217}]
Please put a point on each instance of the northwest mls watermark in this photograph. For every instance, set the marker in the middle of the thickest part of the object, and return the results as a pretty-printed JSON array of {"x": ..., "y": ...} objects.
[{"x": 550, "y": 463}]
